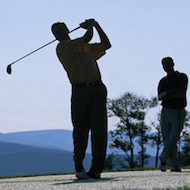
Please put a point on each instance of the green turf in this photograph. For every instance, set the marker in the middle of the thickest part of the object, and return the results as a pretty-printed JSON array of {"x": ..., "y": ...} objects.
[{"x": 168, "y": 188}]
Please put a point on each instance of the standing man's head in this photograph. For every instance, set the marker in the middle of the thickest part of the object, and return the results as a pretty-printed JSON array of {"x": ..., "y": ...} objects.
[
  {"x": 168, "y": 65},
  {"x": 60, "y": 31}
]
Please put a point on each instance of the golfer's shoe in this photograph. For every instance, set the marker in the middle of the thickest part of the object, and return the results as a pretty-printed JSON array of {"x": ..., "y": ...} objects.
[
  {"x": 93, "y": 175},
  {"x": 163, "y": 167},
  {"x": 176, "y": 169},
  {"x": 82, "y": 175}
]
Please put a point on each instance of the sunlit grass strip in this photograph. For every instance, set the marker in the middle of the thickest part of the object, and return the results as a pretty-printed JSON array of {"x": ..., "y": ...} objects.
[
  {"x": 167, "y": 188},
  {"x": 122, "y": 170}
]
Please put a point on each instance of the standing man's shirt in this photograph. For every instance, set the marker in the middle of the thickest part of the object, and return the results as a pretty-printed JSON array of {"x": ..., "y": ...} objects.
[
  {"x": 177, "y": 81},
  {"x": 79, "y": 60}
]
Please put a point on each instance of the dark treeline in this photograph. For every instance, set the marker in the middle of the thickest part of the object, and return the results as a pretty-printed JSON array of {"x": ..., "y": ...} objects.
[{"x": 131, "y": 111}]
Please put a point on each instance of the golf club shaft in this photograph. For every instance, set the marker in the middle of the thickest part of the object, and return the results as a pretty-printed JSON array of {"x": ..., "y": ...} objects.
[
  {"x": 40, "y": 48},
  {"x": 32, "y": 52}
]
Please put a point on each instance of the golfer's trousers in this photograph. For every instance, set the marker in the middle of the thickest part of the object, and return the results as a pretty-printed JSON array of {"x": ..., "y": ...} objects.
[
  {"x": 89, "y": 113},
  {"x": 172, "y": 121}
]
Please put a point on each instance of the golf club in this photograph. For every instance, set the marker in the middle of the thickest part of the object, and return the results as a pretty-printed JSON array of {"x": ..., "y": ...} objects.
[{"x": 9, "y": 69}]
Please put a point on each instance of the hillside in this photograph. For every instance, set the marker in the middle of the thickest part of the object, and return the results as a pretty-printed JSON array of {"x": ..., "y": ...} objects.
[
  {"x": 54, "y": 139},
  {"x": 16, "y": 159}
]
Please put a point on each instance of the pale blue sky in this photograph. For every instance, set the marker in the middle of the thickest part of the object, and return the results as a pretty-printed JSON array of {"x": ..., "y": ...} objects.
[{"x": 37, "y": 94}]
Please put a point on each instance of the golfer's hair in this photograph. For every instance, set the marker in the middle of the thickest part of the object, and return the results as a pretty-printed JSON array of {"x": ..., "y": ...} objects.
[
  {"x": 167, "y": 60},
  {"x": 57, "y": 24}
]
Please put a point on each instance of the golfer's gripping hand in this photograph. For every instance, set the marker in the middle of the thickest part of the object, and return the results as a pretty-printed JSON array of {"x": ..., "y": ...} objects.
[{"x": 88, "y": 23}]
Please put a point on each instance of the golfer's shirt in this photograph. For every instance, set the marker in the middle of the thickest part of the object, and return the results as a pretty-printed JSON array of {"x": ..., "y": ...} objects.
[{"x": 79, "y": 60}]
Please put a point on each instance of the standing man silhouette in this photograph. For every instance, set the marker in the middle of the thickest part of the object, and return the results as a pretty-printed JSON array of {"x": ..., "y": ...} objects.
[
  {"x": 172, "y": 92},
  {"x": 89, "y": 94}
]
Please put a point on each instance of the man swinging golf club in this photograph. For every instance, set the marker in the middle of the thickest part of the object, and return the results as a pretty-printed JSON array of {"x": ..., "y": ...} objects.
[
  {"x": 172, "y": 92},
  {"x": 89, "y": 94}
]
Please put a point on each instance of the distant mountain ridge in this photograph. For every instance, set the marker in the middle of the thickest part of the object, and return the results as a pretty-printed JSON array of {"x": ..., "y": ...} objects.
[
  {"x": 16, "y": 160},
  {"x": 54, "y": 139}
]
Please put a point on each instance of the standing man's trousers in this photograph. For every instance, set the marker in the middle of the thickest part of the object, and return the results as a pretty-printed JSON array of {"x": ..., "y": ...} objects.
[
  {"x": 172, "y": 121},
  {"x": 89, "y": 112}
]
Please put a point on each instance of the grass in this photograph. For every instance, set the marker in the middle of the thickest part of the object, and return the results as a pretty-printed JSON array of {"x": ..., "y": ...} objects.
[
  {"x": 178, "y": 188},
  {"x": 168, "y": 188},
  {"x": 141, "y": 169},
  {"x": 122, "y": 170},
  {"x": 35, "y": 175}
]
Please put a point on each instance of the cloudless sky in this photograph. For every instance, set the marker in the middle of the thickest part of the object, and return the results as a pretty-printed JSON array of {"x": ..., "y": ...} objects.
[{"x": 36, "y": 96}]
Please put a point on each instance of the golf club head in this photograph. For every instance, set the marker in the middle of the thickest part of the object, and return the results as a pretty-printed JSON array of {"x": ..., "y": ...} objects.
[{"x": 9, "y": 70}]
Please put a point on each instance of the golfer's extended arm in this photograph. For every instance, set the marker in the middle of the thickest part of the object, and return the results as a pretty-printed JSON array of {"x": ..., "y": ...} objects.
[
  {"x": 103, "y": 37},
  {"x": 88, "y": 35}
]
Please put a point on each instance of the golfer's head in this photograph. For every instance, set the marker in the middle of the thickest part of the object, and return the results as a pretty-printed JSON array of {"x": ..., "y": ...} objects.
[
  {"x": 168, "y": 64},
  {"x": 60, "y": 31}
]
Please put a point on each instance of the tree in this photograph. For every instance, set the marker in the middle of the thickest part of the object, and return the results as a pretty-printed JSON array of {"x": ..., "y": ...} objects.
[
  {"x": 109, "y": 162},
  {"x": 131, "y": 111},
  {"x": 185, "y": 153},
  {"x": 142, "y": 140}
]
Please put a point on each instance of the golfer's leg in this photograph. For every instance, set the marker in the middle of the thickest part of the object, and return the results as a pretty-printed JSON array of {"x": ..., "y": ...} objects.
[
  {"x": 80, "y": 127},
  {"x": 99, "y": 130}
]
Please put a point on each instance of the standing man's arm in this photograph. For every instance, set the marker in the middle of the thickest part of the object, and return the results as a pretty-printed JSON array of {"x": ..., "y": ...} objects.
[
  {"x": 173, "y": 93},
  {"x": 161, "y": 93}
]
